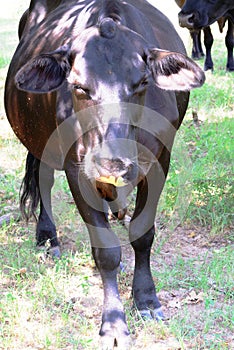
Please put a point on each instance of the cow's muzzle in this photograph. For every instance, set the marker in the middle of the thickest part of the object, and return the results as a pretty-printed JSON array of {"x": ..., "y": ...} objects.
[
  {"x": 118, "y": 172},
  {"x": 186, "y": 20}
]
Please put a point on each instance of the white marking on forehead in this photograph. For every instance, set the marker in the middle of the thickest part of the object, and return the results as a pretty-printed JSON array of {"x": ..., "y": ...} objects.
[{"x": 107, "y": 93}]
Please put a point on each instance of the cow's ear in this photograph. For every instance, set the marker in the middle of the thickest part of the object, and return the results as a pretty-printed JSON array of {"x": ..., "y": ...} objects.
[
  {"x": 174, "y": 71},
  {"x": 44, "y": 73}
]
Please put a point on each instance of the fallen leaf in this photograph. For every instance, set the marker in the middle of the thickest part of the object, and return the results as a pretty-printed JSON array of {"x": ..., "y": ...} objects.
[
  {"x": 23, "y": 271},
  {"x": 194, "y": 298},
  {"x": 192, "y": 234}
]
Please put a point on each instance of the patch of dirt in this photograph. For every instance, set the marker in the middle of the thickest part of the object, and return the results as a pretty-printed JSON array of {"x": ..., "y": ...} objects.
[{"x": 187, "y": 242}]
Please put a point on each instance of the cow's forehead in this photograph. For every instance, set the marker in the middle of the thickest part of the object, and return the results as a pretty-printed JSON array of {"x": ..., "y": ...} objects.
[
  {"x": 91, "y": 41},
  {"x": 98, "y": 57}
]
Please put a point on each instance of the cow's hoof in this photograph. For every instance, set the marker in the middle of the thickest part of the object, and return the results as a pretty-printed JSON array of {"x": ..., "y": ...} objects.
[
  {"x": 208, "y": 67},
  {"x": 158, "y": 314},
  {"x": 111, "y": 342},
  {"x": 155, "y": 314},
  {"x": 55, "y": 252},
  {"x": 114, "y": 334},
  {"x": 146, "y": 314}
]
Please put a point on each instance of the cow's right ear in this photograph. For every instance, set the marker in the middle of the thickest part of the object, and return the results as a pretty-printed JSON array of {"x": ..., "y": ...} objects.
[{"x": 44, "y": 73}]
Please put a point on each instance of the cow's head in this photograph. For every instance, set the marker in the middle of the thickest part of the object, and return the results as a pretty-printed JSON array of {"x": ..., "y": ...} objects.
[
  {"x": 108, "y": 66},
  {"x": 196, "y": 14}
]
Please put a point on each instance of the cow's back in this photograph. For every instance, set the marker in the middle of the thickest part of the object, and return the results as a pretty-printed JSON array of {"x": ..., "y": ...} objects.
[{"x": 165, "y": 34}]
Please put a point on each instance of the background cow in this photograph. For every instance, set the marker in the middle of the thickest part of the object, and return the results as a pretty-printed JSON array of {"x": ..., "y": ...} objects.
[
  {"x": 198, "y": 14},
  {"x": 98, "y": 89}
]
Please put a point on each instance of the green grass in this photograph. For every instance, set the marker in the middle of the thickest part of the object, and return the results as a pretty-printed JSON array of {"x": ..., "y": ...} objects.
[
  {"x": 46, "y": 304},
  {"x": 8, "y": 40},
  {"x": 202, "y": 174},
  {"x": 200, "y": 183},
  {"x": 193, "y": 272}
]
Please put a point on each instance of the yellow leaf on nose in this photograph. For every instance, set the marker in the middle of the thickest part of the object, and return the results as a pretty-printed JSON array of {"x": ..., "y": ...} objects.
[{"x": 119, "y": 182}]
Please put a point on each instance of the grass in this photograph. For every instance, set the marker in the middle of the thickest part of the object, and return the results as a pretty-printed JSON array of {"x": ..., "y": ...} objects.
[
  {"x": 46, "y": 304},
  {"x": 206, "y": 184}
]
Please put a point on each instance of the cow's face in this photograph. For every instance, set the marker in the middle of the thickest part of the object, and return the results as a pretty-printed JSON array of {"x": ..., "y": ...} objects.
[
  {"x": 109, "y": 64},
  {"x": 109, "y": 71},
  {"x": 108, "y": 67},
  {"x": 196, "y": 14}
]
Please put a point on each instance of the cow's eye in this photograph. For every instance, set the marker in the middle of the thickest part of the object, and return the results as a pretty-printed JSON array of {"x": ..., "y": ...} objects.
[{"x": 82, "y": 90}]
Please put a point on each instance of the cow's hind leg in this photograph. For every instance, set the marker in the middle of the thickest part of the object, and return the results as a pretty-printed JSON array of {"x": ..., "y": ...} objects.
[
  {"x": 36, "y": 189},
  {"x": 208, "y": 42},
  {"x": 197, "y": 51},
  {"x": 46, "y": 230}
]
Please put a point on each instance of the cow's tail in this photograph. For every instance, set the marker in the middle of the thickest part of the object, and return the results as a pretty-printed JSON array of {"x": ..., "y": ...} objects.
[{"x": 29, "y": 191}]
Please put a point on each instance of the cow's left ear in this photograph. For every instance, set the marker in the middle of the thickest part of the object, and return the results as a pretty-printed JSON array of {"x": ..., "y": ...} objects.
[
  {"x": 44, "y": 73},
  {"x": 174, "y": 71}
]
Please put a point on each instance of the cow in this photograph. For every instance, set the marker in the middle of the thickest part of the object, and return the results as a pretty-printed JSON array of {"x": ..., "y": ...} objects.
[
  {"x": 98, "y": 89},
  {"x": 198, "y": 14},
  {"x": 197, "y": 51}
]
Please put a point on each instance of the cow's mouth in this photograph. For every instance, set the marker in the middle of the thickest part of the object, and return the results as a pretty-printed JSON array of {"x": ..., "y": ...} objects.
[
  {"x": 107, "y": 186},
  {"x": 106, "y": 190}
]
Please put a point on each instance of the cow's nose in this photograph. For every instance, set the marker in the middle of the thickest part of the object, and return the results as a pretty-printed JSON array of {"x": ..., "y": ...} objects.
[{"x": 186, "y": 20}]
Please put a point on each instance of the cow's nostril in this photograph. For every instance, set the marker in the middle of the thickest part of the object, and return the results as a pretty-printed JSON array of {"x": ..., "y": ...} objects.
[
  {"x": 131, "y": 172},
  {"x": 190, "y": 19},
  {"x": 186, "y": 20}
]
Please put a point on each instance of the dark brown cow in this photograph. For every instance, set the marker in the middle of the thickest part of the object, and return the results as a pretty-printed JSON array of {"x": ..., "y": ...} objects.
[
  {"x": 198, "y": 14},
  {"x": 197, "y": 51},
  {"x": 91, "y": 90}
]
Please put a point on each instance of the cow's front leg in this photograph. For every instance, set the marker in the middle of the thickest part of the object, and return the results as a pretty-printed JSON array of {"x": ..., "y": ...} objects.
[
  {"x": 141, "y": 233},
  {"x": 144, "y": 293},
  {"x": 113, "y": 329},
  {"x": 107, "y": 255}
]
